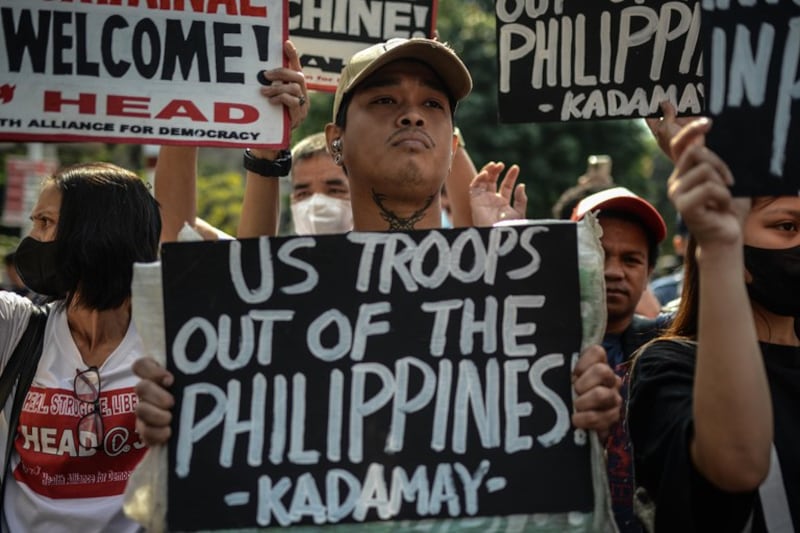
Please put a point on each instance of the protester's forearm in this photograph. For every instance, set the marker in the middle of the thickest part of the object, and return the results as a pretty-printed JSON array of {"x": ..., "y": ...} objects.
[
  {"x": 176, "y": 189},
  {"x": 732, "y": 406},
  {"x": 260, "y": 207}
]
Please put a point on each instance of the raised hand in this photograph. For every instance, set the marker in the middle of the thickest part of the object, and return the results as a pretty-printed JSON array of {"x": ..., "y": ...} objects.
[
  {"x": 491, "y": 204},
  {"x": 288, "y": 86},
  {"x": 699, "y": 189},
  {"x": 666, "y": 127}
]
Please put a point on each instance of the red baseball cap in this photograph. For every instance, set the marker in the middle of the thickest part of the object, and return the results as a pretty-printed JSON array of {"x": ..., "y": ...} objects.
[{"x": 622, "y": 200}]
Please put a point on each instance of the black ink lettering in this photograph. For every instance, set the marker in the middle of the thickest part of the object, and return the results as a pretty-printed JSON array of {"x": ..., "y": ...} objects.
[
  {"x": 223, "y": 52},
  {"x": 26, "y": 37},
  {"x": 261, "y": 35},
  {"x": 146, "y": 29},
  {"x": 84, "y": 67},
  {"x": 61, "y": 42},
  {"x": 325, "y": 64},
  {"x": 115, "y": 68},
  {"x": 185, "y": 49}
]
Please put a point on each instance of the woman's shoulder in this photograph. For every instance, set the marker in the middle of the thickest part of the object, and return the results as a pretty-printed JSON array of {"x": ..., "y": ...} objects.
[
  {"x": 668, "y": 346},
  {"x": 664, "y": 353},
  {"x": 15, "y": 311},
  {"x": 13, "y": 305}
]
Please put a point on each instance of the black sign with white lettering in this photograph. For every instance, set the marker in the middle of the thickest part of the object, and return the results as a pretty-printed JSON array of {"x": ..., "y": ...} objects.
[
  {"x": 374, "y": 376},
  {"x": 753, "y": 72},
  {"x": 560, "y": 61}
]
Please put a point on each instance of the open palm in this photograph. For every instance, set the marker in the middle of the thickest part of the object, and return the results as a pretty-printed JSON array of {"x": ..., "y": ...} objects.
[{"x": 490, "y": 203}]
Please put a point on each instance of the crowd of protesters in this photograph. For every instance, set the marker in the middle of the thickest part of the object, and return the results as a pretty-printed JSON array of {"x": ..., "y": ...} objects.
[{"x": 695, "y": 405}]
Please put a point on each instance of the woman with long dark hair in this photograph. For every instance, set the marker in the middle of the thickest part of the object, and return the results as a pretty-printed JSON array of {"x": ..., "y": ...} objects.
[{"x": 714, "y": 404}]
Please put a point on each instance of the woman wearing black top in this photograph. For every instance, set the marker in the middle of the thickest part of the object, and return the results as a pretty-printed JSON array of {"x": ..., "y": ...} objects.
[{"x": 708, "y": 400}]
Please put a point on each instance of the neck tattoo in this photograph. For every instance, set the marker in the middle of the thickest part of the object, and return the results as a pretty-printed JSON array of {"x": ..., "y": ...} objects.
[{"x": 396, "y": 222}]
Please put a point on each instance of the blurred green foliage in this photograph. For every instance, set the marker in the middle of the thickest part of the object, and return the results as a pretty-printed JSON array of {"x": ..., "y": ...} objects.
[{"x": 220, "y": 203}]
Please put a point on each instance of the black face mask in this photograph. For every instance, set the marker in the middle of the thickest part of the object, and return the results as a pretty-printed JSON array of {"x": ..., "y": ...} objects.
[
  {"x": 776, "y": 278},
  {"x": 37, "y": 265}
]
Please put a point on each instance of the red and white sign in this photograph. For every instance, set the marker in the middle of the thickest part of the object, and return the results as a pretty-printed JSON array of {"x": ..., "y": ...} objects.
[{"x": 141, "y": 71}]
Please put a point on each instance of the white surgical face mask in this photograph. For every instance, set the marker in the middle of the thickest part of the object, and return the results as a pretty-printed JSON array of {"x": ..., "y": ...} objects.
[{"x": 320, "y": 213}]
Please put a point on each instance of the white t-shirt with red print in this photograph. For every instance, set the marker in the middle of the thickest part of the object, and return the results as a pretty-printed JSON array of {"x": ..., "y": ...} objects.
[{"x": 54, "y": 484}]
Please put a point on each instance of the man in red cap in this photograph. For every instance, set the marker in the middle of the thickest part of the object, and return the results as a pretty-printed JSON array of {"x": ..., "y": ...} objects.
[{"x": 632, "y": 231}]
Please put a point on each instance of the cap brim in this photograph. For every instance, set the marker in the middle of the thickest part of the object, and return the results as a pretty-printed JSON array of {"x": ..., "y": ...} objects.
[
  {"x": 436, "y": 55},
  {"x": 634, "y": 205},
  {"x": 641, "y": 210}
]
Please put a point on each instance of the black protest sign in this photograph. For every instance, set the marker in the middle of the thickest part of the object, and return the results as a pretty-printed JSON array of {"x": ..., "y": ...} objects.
[
  {"x": 141, "y": 72},
  {"x": 328, "y": 33},
  {"x": 374, "y": 376},
  {"x": 560, "y": 61},
  {"x": 752, "y": 65}
]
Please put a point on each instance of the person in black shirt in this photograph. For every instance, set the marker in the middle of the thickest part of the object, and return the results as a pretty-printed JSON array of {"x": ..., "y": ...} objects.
[{"x": 713, "y": 405}]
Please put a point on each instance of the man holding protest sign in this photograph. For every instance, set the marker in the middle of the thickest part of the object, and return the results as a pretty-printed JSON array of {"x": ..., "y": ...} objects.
[
  {"x": 393, "y": 135},
  {"x": 410, "y": 89},
  {"x": 632, "y": 230}
]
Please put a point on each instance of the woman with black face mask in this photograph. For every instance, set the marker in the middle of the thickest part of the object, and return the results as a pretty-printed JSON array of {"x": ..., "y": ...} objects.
[
  {"x": 75, "y": 443},
  {"x": 715, "y": 403}
]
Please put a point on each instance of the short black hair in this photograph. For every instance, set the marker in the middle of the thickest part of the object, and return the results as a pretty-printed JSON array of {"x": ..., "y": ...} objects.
[
  {"x": 652, "y": 242},
  {"x": 107, "y": 221}
]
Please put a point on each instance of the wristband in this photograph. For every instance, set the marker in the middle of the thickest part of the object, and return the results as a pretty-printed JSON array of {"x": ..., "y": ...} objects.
[{"x": 270, "y": 168}]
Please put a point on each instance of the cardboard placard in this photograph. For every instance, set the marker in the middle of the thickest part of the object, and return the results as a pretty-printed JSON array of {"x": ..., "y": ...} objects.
[
  {"x": 141, "y": 72},
  {"x": 350, "y": 378},
  {"x": 327, "y": 34},
  {"x": 752, "y": 66},
  {"x": 565, "y": 61}
]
